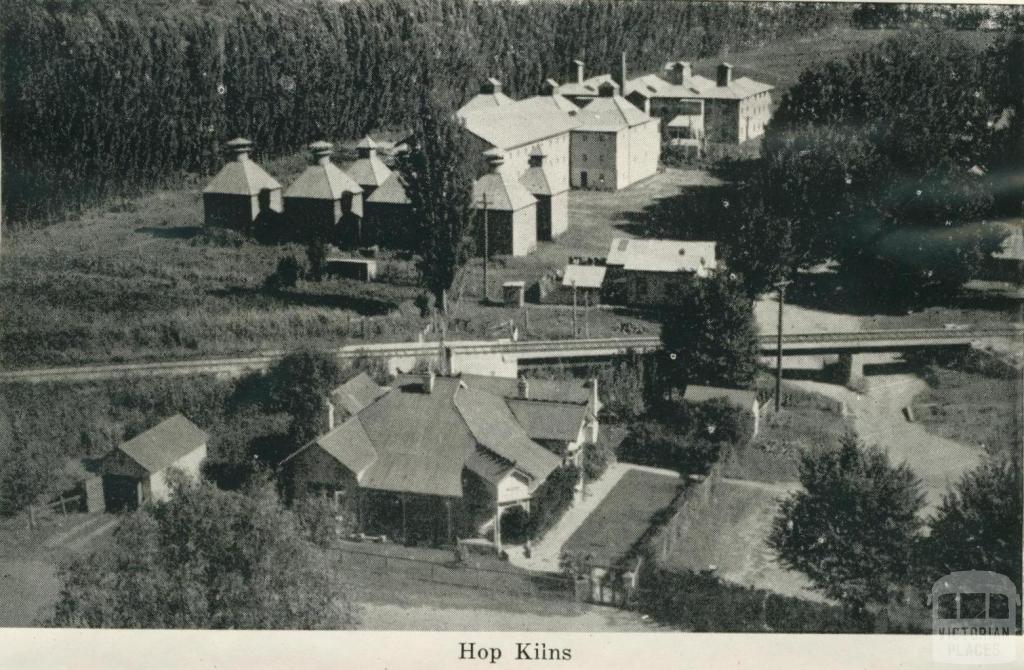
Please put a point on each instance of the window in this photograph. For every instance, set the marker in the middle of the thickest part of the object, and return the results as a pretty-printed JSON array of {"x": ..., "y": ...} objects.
[
  {"x": 972, "y": 606},
  {"x": 998, "y": 606}
]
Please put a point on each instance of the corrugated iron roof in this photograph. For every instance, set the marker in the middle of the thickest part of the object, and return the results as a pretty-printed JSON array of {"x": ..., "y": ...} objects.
[
  {"x": 585, "y": 276},
  {"x": 369, "y": 171},
  {"x": 421, "y": 440},
  {"x": 536, "y": 181},
  {"x": 696, "y": 86},
  {"x": 555, "y": 101},
  {"x": 357, "y": 393},
  {"x": 322, "y": 181},
  {"x": 517, "y": 124},
  {"x": 485, "y": 101},
  {"x": 541, "y": 389},
  {"x": 350, "y": 445},
  {"x": 502, "y": 193},
  {"x": 163, "y": 444},
  {"x": 662, "y": 255},
  {"x": 611, "y": 113},
  {"x": 241, "y": 177},
  {"x": 546, "y": 420},
  {"x": 495, "y": 427},
  {"x": 391, "y": 192}
]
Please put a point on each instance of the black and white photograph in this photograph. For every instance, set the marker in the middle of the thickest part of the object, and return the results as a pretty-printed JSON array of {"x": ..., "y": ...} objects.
[{"x": 513, "y": 316}]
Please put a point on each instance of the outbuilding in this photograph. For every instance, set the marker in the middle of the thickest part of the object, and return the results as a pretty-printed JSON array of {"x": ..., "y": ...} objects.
[
  {"x": 325, "y": 198},
  {"x": 136, "y": 471},
  {"x": 506, "y": 211},
  {"x": 241, "y": 192}
]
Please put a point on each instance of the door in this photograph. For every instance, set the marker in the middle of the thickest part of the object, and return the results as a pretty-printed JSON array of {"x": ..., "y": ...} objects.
[
  {"x": 544, "y": 217},
  {"x": 583, "y": 179},
  {"x": 120, "y": 493}
]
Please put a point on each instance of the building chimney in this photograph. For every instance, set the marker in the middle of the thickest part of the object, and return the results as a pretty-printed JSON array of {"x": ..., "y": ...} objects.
[
  {"x": 321, "y": 152},
  {"x": 524, "y": 388},
  {"x": 680, "y": 72},
  {"x": 549, "y": 87},
  {"x": 366, "y": 148},
  {"x": 330, "y": 415},
  {"x": 490, "y": 86},
  {"x": 724, "y": 74},
  {"x": 579, "y": 71},
  {"x": 619, "y": 76},
  {"x": 537, "y": 157},
  {"x": 495, "y": 160},
  {"x": 239, "y": 149},
  {"x": 607, "y": 89}
]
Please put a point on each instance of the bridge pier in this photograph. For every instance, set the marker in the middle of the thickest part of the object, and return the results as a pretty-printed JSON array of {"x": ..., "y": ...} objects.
[{"x": 849, "y": 369}]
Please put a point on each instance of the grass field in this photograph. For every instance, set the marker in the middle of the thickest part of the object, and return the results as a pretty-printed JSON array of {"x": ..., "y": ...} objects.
[
  {"x": 971, "y": 408},
  {"x": 622, "y": 519}
]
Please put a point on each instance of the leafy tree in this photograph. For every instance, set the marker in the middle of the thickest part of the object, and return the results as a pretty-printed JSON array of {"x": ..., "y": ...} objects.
[
  {"x": 853, "y": 527},
  {"x": 316, "y": 255},
  {"x": 298, "y": 386},
  {"x": 687, "y": 437},
  {"x": 869, "y": 175},
  {"x": 206, "y": 559},
  {"x": 439, "y": 182},
  {"x": 978, "y": 524},
  {"x": 711, "y": 330}
]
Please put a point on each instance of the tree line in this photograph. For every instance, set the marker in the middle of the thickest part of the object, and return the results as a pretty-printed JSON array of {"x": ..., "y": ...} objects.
[{"x": 104, "y": 98}]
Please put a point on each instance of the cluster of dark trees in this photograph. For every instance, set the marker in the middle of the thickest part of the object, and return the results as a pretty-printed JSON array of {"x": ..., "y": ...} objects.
[
  {"x": 101, "y": 97},
  {"x": 857, "y": 532},
  {"x": 892, "y": 163}
]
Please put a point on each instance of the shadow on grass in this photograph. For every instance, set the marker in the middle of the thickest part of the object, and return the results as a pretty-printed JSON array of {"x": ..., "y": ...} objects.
[{"x": 361, "y": 305}]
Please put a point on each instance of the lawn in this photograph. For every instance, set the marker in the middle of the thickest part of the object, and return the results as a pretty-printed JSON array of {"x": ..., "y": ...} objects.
[
  {"x": 808, "y": 422},
  {"x": 624, "y": 517},
  {"x": 971, "y": 408}
]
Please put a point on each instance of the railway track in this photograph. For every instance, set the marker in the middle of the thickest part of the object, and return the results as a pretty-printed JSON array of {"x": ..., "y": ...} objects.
[{"x": 528, "y": 349}]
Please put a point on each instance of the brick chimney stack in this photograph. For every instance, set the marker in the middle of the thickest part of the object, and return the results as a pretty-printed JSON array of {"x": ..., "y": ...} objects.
[
  {"x": 621, "y": 74},
  {"x": 680, "y": 72},
  {"x": 579, "y": 71},
  {"x": 490, "y": 86},
  {"x": 724, "y": 74}
]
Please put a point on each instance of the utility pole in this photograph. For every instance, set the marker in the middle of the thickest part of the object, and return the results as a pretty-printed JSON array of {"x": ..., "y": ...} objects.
[
  {"x": 781, "y": 286},
  {"x": 574, "y": 309},
  {"x": 487, "y": 246},
  {"x": 586, "y": 315}
]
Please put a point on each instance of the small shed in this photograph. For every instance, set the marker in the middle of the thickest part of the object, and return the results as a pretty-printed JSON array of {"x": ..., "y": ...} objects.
[
  {"x": 325, "y": 198},
  {"x": 241, "y": 192},
  {"x": 360, "y": 269},
  {"x": 514, "y": 293},
  {"x": 587, "y": 279},
  {"x": 136, "y": 471},
  {"x": 744, "y": 399}
]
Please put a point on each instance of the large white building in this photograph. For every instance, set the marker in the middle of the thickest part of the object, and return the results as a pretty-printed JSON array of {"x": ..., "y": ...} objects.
[{"x": 615, "y": 144}]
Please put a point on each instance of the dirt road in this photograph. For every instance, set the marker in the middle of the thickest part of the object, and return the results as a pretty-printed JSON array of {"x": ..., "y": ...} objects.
[{"x": 879, "y": 420}]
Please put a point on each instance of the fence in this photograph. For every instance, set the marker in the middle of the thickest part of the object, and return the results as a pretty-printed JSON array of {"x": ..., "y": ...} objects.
[{"x": 467, "y": 574}]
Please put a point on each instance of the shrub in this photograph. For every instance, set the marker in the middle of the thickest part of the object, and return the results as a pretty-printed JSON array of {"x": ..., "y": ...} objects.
[
  {"x": 551, "y": 499},
  {"x": 286, "y": 275},
  {"x": 514, "y": 525}
]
